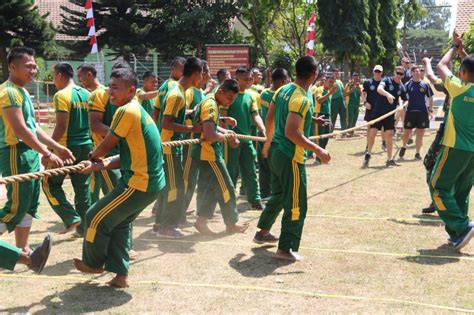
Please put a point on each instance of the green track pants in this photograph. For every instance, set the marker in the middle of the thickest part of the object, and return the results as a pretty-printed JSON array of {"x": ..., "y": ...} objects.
[
  {"x": 53, "y": 189},
  {"x": 22, "y": 197},
  {"x": 339, "y": 108},
  {"x": 451, "y": 183},
  {"x": 108, "y": 228},
  {"x": 9, "y": 255},
  {"x": 289, "y": 194}
]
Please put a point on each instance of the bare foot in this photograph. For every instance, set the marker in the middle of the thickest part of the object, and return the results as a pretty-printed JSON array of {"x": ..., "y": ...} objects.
[
  {"x": 132, "y": 255},
  {"x": 190, "y": 211},
  {"x": 237, "y": 228},
  {"x": 119, "y": 282},
  {"x": 287, "y": 255},
  {"x": 202, "y": 227},
  {"x": 84, "y": 268},
  {"x": 70, "y": 228}
]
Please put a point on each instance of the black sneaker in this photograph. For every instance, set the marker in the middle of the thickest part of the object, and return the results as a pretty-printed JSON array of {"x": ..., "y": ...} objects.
[
  {"x": 367, "y": 159},
  {"x": 410, "y": 141},
  {"x": 430, "y": 209},
  {"x": 402, "y": 152},
  {"x": 391, "y": 163},
  {"x": 463, "y": 240},
  {"x": 261, "y": 238},
  {"x": 40, "y": 255},
  {"x": 418, "y": 156},
  {"x": 384, "y": 145},
  {"x": 256, "y": 205}
]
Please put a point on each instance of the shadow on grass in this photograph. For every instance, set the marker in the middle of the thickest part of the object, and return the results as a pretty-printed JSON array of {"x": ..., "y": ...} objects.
[
  {"x": 260, "y": 265},
  {"x": 425, "y": 220},
  {"x": 84, "y": 297},
  {"x": 437, "y": 254},
  {"x": 376, "y": 170}
]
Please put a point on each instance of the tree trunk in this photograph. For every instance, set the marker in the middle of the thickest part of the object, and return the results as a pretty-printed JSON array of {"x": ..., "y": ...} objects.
[
  {"x": 347, "y": 60},
  {"x": 3, "y": 60}
]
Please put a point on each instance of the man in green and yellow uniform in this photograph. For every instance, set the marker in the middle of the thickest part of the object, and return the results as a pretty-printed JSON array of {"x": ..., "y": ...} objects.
[
  {"x": 291, "y": 106},
  {"x": 101, "y": 113},
  {"x": 338, "y": 107},
  {"x": 72, "y": 130},
  {"x": 20, "y": 142},
  {"x": 352, "y": 92},
  {"x": 214, "y": 184},
  {"x": 146, "y": 95},
  {"x": 194, "y": 96},
  {"x": 87, "y": 77},
  {"x": 176, "y": 72},
  {"x": 109, "y": 221},
  {"x": 170, "y": 204},
  {"x": 279, "y": 78},
  {"x": 245, "y": 111},
  {"x": 322, "y": 101},
  {"x": 453, "y": 175}
]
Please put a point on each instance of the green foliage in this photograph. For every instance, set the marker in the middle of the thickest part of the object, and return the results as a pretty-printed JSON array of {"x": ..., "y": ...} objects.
[
  {"x": 190, "y": 25},
  {"x": 426, "y": 39},
  {"x": 388, "y": 19},
  {"x": 258, "y": 17},
  {"x": 411, "y": 11},
  {"x": 22, "y": 24},
  {"x": 283, "y": 59},
  {"x": 436, "y": 17},
  {"x": 469, "y": 39},
  {"x": 377, "y": 49},
  {"x": 344, "y": 25}
]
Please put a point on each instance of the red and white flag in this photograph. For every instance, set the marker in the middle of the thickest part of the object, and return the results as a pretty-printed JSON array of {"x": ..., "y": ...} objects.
[
  {"x": 311, "y": 35},
  {"x": 91, "y": 26}
]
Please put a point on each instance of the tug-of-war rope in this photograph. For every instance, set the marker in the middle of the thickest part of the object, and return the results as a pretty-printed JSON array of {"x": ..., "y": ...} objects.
[{"x": 78, "y": 167}]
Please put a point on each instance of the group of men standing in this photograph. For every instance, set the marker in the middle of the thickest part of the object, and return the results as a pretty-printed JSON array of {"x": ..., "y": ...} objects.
[{"x": 116, "y": 132}]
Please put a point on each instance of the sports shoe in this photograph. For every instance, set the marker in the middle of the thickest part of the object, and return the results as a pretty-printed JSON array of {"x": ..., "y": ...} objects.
[
  {"x": 463, "y": 240},
  {"x": 169, "y": 233},
  {"x": 384, "y": 145},
  {"x": 402, "y": 152},
  {"x": 430, "y": 209},
  {"x": 367, "y": 159},
  {"x": 256, "y": 205},
  {"x": 40, "y": 255},
  {"x": 261, "y": 238},
  {"x": 391, "y": 163},
  {"x": 410, "y": 141},
  {"x": 418, "y": 156}
]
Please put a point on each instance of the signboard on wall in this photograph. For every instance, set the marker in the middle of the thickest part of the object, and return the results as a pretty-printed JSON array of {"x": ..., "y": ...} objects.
[{"x": 229, "y": 57}]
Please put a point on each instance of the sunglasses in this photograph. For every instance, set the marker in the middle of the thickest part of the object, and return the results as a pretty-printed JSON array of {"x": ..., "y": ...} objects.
[{"x": 400, "y": 73}]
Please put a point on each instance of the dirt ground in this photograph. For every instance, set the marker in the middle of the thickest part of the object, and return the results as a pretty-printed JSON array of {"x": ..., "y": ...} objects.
[{"x": 367, "y": 248}]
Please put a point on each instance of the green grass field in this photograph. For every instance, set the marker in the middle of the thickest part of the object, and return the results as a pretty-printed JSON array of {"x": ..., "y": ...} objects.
[{"x": 367, "y": 248}]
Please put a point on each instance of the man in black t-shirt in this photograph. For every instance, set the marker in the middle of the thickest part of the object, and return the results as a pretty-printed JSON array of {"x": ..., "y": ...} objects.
[{"x": 390, "y": 90}]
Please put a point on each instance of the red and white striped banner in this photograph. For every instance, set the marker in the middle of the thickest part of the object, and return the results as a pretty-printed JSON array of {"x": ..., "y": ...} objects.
[
  {"x": 91, "y": 26},
  {"x": 311, "y": 35}
]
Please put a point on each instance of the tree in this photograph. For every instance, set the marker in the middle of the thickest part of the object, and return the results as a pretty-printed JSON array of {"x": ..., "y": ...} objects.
[
  {"x": 258, "y": 16},
  {"x": 344, "y": 25},
  {"x": 22, "y": 24},
  {"x": 127, "y": 27},
  {"x": 188, "y": 26},
  {"x": 437, "y": 16},
  {"x": 291, "y": 25},
  {"x": 389, "y": 18},
  {"x": 410, "y": 11},
  {"x": 376, "y": 47}
]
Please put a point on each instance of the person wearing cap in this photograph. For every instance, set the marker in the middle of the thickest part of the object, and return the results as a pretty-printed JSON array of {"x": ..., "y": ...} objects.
[
  {"x": 390, "y": 90},
  {"x": 369, "y": 94},
  {"x": 352, "y": 93}
]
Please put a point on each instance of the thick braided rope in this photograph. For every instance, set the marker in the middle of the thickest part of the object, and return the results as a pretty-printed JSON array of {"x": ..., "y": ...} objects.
[
  {"x": 369, "y": 123},
  {"x": 37, "y": 175},
  {"x": 76, "y": 168}
]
